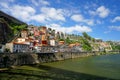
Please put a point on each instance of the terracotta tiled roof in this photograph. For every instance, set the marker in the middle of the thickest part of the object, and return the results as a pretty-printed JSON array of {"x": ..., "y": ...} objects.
[{"x": 22, "y": 43}]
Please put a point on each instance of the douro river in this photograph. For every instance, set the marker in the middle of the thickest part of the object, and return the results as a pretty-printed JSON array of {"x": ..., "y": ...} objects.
[{"x": 104, "y": 67}]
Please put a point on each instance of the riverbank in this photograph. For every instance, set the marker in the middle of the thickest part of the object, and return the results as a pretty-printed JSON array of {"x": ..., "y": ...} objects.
[
  {"x": 42, "y": 72},
  {"x": 16, "y": 59},
  {"x": 104, "y": 67}
]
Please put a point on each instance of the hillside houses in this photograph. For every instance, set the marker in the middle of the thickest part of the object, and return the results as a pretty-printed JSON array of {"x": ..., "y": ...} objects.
[
  {"x": 34, "y": 39},
  {"x": 20, "y": 37},
  {"x": 43, "y": 39}
]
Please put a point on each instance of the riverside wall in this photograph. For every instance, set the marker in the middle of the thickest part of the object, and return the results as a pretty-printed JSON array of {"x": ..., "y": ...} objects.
[{"x": 14, "y": 59}]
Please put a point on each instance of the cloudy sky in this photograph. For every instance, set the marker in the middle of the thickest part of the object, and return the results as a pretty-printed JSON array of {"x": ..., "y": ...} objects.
[{"x": 99, "y": 18}]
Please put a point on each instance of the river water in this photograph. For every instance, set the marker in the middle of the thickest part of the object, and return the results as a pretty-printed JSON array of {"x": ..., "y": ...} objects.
[
  {"x": 96, "y": 67},
  {"x": 103, "y": 67}
]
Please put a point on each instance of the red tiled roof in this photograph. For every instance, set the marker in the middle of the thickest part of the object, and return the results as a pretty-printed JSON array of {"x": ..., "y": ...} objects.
[{"x": 22, "y": 43}]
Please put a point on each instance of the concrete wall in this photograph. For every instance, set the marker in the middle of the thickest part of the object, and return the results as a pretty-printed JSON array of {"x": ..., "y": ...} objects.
[
  {"x": 11, "y": 59},
  {"x": 2, "y": 48}
]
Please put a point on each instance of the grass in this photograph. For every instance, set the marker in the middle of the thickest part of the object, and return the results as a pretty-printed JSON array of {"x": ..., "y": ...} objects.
[
  {"x": 28, "y": 68},
  {"x": 43, "y": 72},
  {"x": 21, "y": 73}
]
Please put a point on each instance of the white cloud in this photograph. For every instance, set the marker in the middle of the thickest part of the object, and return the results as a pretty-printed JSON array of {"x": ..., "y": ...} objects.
[
  {"x": 117, "y": 28},
  {"x": 44, "y": 14},
  {"x": 40, "y": 2},
  {"x": 38, "y": 18},
  {"x": 112, "y": 28},
  {"x": 80, "y": 18},
  {"x": 53, "y": 14},
  {"x": 72, "y": 29},
  {"x": 49, "y": 14},
  {"x": 116, "y": 19},
  {"x": 28, "y": 13},
  {"x": 4, "y": 5},
  {"x": 100, "y": 11},
  {"x": 22, "y": 12},
  {"x": 90, "y": 22},
  {"x": 103, "y": 12},
  {"x": 82, "y": 28},
  {"x": 77, "y": 18}
]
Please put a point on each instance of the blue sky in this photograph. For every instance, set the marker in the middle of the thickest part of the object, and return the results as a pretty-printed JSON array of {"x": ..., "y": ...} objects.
[{"x": 99, "y": 18}]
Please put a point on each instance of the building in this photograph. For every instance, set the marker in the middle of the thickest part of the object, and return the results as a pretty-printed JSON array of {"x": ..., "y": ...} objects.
[
  {"x": 58, "y": 36},
  {"x": 61, "y": 42},
  {"x": 106, "y": 46},
  {"x": 52, "y": 42},
  {"x": 43, "y": 36},
  {"x": 20, "y": 40},
  {"x": 2, "y": 48},
  {"x": 24, "y": 34},
  {"x": 36, "y": 31},
  {"x": 18, "y": 47},
  {"x": 44, "y": 33},
  {"x": 31, "y": 40}
]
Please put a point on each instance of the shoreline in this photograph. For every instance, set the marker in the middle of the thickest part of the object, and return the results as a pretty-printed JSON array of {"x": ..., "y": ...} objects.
[{"x": 18, "y": 59}]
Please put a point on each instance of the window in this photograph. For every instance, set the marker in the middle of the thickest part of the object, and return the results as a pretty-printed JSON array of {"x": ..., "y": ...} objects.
[{"x": 14, "y": 46}]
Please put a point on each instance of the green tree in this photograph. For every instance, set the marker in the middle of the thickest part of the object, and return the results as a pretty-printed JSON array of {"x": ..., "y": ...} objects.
[
  {"x": 86, "y": 45},
  {"x": 7, "y": 50},
  {"x": 17, "y": 28},
  {"x": 117, "y": 47},
  {"x": 93, "y": 39},
  {"x": 86, "y": 36},
  {"x": 61, "y": 39},
  {"x": 68, "y": 40}
]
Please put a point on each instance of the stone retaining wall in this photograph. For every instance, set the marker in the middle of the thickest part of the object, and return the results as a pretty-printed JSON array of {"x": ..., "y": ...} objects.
[{"x": 11, "y": 59}]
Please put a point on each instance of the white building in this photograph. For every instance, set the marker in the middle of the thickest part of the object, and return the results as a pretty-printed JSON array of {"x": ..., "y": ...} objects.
[
  {"x": 20, "y": 40},
  {"x": 18, "y": 47},
  {"x": 2, "y": 48},
  {"x": 52, "y": 42}
]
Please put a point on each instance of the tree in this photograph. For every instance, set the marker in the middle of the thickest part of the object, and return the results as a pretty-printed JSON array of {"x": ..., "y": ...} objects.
[
  {"x": 117, "y": 47},
  {"x": 7, "y": 50},
  {"x": 93, "y": 39},
  {"x": 17, "y": 28},
  {"x": 67, "y": 40},
  {"x": 86, "y": 36},
  {"x": 86, "y": 45},
  {"x": 61, "y": 39}
]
